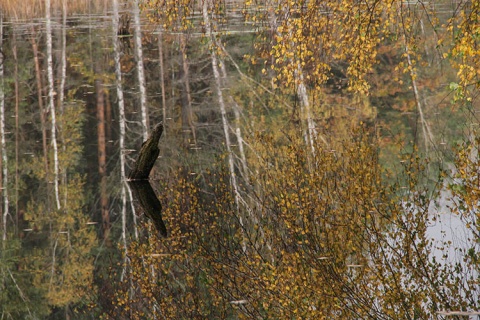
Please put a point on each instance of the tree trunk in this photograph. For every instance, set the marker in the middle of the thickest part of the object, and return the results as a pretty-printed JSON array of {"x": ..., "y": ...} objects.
[
  {"x": 162, "y": 79},
  {"x": 63, "y": 59},
  {"x": 140, "y": 69},
  {"x": 38, "y": 77},
  {"x": 147, "y": 156},
  {"x": 221, "y": 102},
  {"x": 4, "y": 164},
  {"x": 308, "y": 125},
  {"x": 187, "y": 118},
  {"x": 61, "y": 89},
  {"x": 17, "y": 126},
  {"x": 427, "y": 133},
  {"x": 238, "y": 130},
  {"x": 121, "y": 121},
  {"x": 108, "y": 121},
  {"x": 305, "y": 112},
  {"x": 102, "y": 157},
  {"x": 48, "y": 26}
]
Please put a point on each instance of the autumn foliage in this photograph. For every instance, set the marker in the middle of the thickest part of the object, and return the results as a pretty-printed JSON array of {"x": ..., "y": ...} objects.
[
  {"x": 315, "y": 158},
  {"x": 318, "y": 228},
  {"x": 326, "y": 238}
]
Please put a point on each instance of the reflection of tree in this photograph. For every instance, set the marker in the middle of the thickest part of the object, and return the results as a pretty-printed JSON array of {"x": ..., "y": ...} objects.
[
  {"x": 148, "y": 201},
  {"x": 51, "y": 101},
  {"x": 4, "y": 165},
  {"x": 336, "y": 243},
  {"x": 138, "y": 179}
]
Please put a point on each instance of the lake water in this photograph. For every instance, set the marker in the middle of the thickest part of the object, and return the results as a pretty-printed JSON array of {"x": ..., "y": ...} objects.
[{"x": 257, "y": 225}]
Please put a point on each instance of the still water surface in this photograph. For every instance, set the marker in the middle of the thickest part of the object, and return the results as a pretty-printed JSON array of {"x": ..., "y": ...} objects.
[{"x": 80, "y": 242}]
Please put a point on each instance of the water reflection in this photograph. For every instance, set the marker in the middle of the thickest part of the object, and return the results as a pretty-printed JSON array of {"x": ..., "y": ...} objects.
[
  {"x": 143, "y": 194},
  {"x": 290, "y": 238},
  {"x": 146, "y": 200},
  {"x": 58, "y": 247}
]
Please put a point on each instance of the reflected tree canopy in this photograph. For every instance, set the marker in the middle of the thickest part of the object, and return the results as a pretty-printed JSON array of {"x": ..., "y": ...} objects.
[{"x": 308, "y": 147}]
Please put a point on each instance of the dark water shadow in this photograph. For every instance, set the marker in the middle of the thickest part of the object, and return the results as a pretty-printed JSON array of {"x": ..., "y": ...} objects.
[{"x": 147, "y": 200}]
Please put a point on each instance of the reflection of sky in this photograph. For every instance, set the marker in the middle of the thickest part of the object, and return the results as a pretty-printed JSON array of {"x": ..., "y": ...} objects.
[
  {"x": 448, "y": 227},
  {"x": 450, "y": 237}
]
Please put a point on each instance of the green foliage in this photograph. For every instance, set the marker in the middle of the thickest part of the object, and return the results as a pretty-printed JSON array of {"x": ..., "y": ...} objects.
[
  {"x": 57, "y": 252},
  {"x": 64, "y": 267},
  {"x": 18, "y": 298}
]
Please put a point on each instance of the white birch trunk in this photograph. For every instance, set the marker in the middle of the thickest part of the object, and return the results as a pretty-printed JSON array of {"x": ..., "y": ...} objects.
[
  {"x": 17, "y": 124},
  {"x": 130, "y": 196},
  {"x": 119, "y": 87},
  {"x": 122, "y": 121},
  {"x": 51, "y": 102},
  {"x": 3, "y": 140},
  {"x": 427, "y": 133},
  {"x": 187, "y": 116},
  {"x": 137, "y": 35},
  {"x": 221, "y": 101},
  {"x": 162, "y": 80},
  {"x": 309, "y": 132},
  {"x": 238, "y": 130},
  {"x": 223, "y": 112},
  {"x": 61, "y": 89},
  {"x": 241, "y": 149},
  {"x": 63, "y": 68}
]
